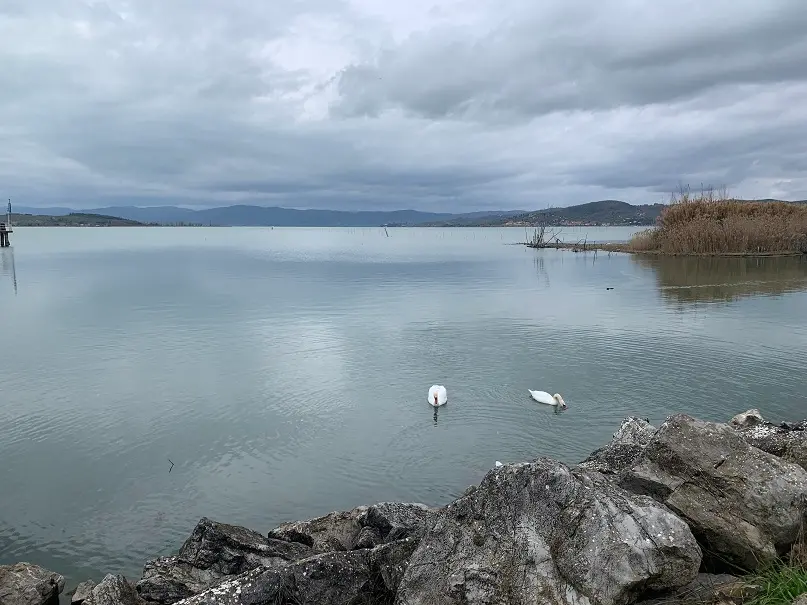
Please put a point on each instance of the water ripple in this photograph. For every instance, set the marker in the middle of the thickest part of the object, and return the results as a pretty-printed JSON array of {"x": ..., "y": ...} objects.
[{"x": 285, "y": 372}]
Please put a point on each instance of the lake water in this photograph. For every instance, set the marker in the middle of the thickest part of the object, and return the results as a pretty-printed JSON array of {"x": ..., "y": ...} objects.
[{"x": 284, "y": 372}]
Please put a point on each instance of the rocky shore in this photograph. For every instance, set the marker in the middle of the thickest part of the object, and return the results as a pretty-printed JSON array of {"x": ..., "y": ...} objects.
[{"x": 668, "y": 514}]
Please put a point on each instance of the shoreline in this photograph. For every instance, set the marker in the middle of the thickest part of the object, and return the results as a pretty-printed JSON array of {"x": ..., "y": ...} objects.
[
  {"x": 524, "y": 531},
  {"x": 710, "y": 226},
  {"x": 624, "y": 248}
]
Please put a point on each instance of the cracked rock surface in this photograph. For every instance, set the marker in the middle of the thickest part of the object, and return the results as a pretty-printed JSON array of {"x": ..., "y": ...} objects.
[
  {"x": 213, "y": 552},
  {"x": 541, "y": 532},
  {"x": 744, "y": 505},
  {"x": 29, "y": 584},
  {"x": 787, "y": 440}
]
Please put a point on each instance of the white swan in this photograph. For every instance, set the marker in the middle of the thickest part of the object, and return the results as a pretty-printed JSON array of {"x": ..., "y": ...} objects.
[
  {"x": 437, "y": 395},
  {"x": 544, "y": 397}
]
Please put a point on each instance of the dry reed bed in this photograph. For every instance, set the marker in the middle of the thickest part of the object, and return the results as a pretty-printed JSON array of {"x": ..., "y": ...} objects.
[{"x": 709, "y": 225}]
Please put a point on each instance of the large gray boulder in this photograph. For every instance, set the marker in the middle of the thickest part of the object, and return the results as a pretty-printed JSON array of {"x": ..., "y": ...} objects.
[
  {"x": 747, "y": 419},
  {"x": 388, "y": 563},
  {"x": 112, "y": 590},
  {"x": 29, "y": 584},
  {"x": 337, "y": 577},
  {"x": 623, "y": 450},
  {"x": 744, "y": 505},
  {"x": 787, "y": 440},
  {"x": 213, "y": 552},
  {"x": 82, "y": 592},
  {"x": 362, "y": 527},
  {"x": 542, "y": 532},
  {"x": 216, "y": 552},
  {"x": 332, "y": 532}
]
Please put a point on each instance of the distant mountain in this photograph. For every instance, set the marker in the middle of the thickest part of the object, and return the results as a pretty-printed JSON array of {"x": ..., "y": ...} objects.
[
  {"x": 611, "y": 212},
  {"x": 260, "y": 216}
]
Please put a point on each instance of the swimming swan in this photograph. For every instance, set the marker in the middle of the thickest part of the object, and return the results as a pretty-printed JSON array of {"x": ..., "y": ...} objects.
[
  {"x": 437, "y": 395},
  {"x": 544, "y": 397}
]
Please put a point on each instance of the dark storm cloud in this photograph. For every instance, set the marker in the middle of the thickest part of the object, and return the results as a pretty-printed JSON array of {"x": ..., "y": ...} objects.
[{"x": 461, "y": 104}]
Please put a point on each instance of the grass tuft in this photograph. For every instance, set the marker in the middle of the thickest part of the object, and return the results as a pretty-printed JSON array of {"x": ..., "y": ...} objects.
[
  {"x": 779, "y": 584},
  {"x": 717, "y": 224}
]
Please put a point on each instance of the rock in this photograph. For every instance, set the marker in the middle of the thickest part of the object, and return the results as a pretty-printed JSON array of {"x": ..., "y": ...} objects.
[
  {"x": 737, "y": 592},
  {"x": 389, "y": 562},
  {"x": 213, "y": 552},
  {"x": 801, "y": 600},
  {"x": 29, "y": 584},
  {"x": 113, "y": 590},
  {"x": 542, "y": 532},
  {"x": 337, "y": 577},
  {"x": 744, "y": 505},
  {"x": 747, "y": 419},
  {"x": 334, "y": 531},
  {"x": 216, "y": 551},
  {"x": 362, "y": 527},
  {"x": 705, "y": 588},
  {"x": 82, "y": 592},
  {"x": 368, "y": 538},
  {"x": 627, "y": 445},
  {"x": 396, "y": 520},
  {"x": 787, "y": 441},
  {"x": 355, "y": 577}
]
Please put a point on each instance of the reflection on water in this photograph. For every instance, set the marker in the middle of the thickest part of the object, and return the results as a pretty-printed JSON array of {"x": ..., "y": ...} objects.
[
  {"x": 543, "y": 274},
  {"x": 8, "y": 267},
  {"x": 684, "y": 279}
]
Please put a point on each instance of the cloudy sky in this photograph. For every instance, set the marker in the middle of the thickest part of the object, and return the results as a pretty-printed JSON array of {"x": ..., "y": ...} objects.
[{"x": 428, "y": 104}]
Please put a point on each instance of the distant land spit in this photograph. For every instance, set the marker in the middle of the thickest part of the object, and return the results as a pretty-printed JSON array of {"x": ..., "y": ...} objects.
[{"x": 75, "y": 219}]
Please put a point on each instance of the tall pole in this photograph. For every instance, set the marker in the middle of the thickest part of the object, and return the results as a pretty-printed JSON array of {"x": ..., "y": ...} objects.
[{"x": 8, "y": 215}]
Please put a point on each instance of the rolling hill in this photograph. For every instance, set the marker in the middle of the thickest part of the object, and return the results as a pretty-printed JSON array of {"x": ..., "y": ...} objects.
[
  {"x": 73, "y": 219},
  {"x": 603, "y": 212}
]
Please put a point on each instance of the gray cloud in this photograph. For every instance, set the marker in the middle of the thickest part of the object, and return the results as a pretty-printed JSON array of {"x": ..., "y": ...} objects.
[
  {"x": 593, "y": 56},
  {"x": 461, "y": 104}
]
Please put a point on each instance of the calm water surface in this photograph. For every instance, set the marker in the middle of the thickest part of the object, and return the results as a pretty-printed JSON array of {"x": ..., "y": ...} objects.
[{"x": 285, "y": 371}]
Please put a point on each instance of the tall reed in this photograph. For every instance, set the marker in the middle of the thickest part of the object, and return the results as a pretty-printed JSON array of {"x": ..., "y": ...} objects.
[{"x": 718, "y": 224}]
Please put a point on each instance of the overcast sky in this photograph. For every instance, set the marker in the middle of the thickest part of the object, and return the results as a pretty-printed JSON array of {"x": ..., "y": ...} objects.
[{"x": 427, "y": 104}]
